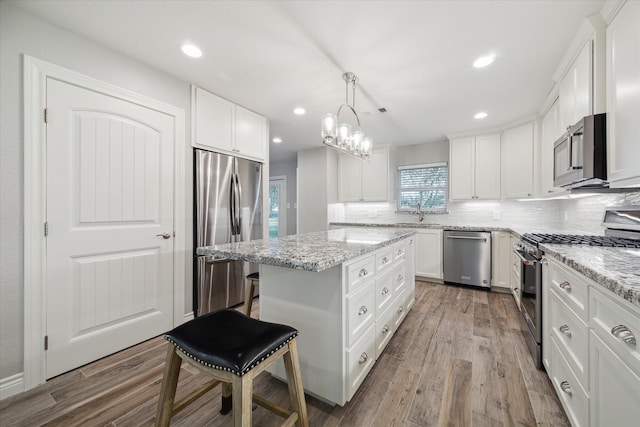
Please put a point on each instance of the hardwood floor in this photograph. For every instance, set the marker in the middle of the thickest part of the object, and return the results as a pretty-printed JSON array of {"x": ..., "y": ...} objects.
[{"x": 459, "y": 359}]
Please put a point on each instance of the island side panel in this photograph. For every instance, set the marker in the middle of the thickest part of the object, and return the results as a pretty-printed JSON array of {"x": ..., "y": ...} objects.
[{"x": 311, "y": 302}]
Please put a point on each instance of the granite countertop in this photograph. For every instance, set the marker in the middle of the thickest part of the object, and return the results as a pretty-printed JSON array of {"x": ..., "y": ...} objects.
[
  {"x": 615, "y": 269},
  {"x": 315, "y": 251}
]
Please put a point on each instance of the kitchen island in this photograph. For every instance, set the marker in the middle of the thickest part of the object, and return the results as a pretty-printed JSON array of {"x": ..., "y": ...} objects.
[{"x": 345, "y": 290}]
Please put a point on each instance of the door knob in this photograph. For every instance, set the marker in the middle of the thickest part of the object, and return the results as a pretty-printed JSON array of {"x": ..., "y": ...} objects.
[{"x": 164, "y": 235}]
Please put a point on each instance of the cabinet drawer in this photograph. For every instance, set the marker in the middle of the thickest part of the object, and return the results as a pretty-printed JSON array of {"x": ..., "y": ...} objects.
[
  {"x": 360, "y": 312},
  {"x": 399, "y": 307},
  {"x": 384, "y": 293},
  {"x": 398, "y": 278},
  {"x": 359, "y": 272},
  {"x": 572, "y": 337},
  {"x": 574, "y": 399},
  {"x": 360, "y": 359},
  {"x": 384, "y": 330},
  {"x": 570, "y": 286},
  {"x": 384, "y": 260},
  {"x": 399, "y": 250},
  {"x": 614, "y": 323}
]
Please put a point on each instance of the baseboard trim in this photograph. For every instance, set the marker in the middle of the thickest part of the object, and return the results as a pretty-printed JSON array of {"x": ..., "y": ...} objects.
[
  {"x": 188, "y": 316},
  {"x": 11, "y": 385}
]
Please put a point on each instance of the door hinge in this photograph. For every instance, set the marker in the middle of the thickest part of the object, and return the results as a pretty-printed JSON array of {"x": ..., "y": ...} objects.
[
  {"x": 46, "y": 115},
  {"x": 46, "y": 229},
  {"x": 46, "y": 342}
]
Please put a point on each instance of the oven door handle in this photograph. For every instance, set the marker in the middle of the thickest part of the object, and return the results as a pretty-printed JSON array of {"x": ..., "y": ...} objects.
[{"x": 524, "y": 260}]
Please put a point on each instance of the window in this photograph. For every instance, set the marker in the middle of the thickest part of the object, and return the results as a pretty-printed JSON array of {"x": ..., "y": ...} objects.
[{"x": 424, "y": 184}]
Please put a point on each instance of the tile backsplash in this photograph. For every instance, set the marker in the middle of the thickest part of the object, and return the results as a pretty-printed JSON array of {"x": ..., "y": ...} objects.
[{"x": 579, "y": 215}]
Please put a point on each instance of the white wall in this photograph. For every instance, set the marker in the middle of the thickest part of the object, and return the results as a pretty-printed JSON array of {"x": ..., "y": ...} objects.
[
  {"x": 22, "y": 33},
  {"x": 317, "y": 187},
  {"x": 288, "y": 169}
]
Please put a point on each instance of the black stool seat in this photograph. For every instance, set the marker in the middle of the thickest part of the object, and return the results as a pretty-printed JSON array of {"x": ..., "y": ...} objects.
[
  {"x": 254, "y": 276},
  {"x": 230, "y": 341}
]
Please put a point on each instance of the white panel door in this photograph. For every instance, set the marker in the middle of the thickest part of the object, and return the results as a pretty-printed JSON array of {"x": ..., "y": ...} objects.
[
  {"x": 487, "y": 167},
  {"x": 109, "y": 273},
  {"x": 349, "y": 179},
  {"x": 251, "y": 133},
  {"x": 462, "y": 169},
  {"x": 428, "y": 261},
  {"x": 375, "y": 177}
]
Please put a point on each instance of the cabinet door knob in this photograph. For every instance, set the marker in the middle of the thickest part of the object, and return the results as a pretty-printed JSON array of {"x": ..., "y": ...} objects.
[
  {"x": 564, "y": 385},
  {"x": 623, "y": 333},
  {"x": 362, "y": 310},
  {"x": 384, "y": 291},
  {"x": 566, "y": 286},
  {"x": 363, "y": 358},
  {"x": 385, "y": 329},
  {"x": 399, "y": 279},
  {"x": 363, "y": 272},
  {"x": 385, "y": 260},
  {"x": 400, "y": 309},
  {"x": 565, "y": 330}
]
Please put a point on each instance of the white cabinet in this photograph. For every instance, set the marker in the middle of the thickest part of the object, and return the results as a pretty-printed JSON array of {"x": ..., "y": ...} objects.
[
  {"x": 429, "y": 253},
  {"x": 550, "y": 131},
  {"x": 222, "y": 126},
  {"x": 501, "y": 259},
  {"x": 517, "y": 162},
  {"x": 474, "y": 168},
  {"x": 514, "y": 273},
  {"x": 623, "y": 97},
  {"x": 364, "y": 181},
  {"x": 575, "y": 88}
]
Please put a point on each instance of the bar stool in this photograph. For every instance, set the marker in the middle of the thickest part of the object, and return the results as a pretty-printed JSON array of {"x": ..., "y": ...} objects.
[
  {"x": 253, "y": 280},
  {"x": 233, "y": 349}
]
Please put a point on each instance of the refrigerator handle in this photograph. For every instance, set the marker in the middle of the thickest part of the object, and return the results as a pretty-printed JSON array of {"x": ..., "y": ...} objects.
[
  {"x": 239, "y": 207},
  {"x": 232, "y": 207}
]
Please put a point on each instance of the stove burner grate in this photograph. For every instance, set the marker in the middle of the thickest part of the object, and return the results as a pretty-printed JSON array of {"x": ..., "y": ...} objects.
[{"x": 574, "y": 239}]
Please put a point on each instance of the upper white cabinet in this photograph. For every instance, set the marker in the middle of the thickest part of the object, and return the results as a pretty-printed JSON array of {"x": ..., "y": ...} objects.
[
  {"x": 576, "y": 88},
  {"x": 474, "y": 168},
  {"x": 222, "y": 126},
  {"x": 517, "y": 162},
  {"x": 364, "y": 181},
  {"x": 623, "y": 97}
]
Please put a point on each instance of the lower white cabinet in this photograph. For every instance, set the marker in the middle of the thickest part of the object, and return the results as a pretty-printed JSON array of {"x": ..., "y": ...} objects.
[
  {"x": 501, "y": 249},
  {"x": 590, "y": 349},
  {"x": 346, "y": 315},
  {"x": 514, "y": 273},
  {"x": 429, "y": 253}
]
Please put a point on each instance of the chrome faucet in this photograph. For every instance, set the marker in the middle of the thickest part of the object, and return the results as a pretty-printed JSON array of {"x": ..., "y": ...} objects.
[{"x": 420, "y": 213}]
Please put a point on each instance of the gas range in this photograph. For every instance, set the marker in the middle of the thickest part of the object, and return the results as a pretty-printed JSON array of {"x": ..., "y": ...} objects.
[{"x": 574, "y": 239}]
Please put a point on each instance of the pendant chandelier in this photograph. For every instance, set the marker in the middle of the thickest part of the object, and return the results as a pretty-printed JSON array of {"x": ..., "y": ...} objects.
[{"x": 340, "y": 135}]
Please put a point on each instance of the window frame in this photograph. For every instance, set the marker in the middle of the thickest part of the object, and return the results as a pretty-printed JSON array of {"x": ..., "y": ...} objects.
[{"x": 423, "y": 188}]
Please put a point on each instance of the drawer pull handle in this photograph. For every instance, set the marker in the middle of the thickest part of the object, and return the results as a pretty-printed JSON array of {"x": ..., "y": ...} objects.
[
  {"x": 384, "y": 291},
  {"x": 566, "y": 286},
  {"x": 623, "y": 333},
  {"x": 400, "y": 309},
  {"x": 385, "y": 329},
  {"x": 399, "y": 252},
  {"x": 564, "y": 385},
  {"x": 363, "y": 272},
  {"x": 399, "y": 279},
  {"x": 362, "y": 310},
  {"x": 565, "y": 330},
  {"x": 363, "y": 357},
  {"x": 385, "y": 260}
]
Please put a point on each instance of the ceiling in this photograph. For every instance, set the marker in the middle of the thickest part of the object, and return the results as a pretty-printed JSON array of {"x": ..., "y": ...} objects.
[{"x": 413, "y": 58}]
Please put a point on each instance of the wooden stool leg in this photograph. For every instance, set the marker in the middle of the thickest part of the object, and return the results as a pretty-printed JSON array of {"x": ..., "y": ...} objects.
[
  {"x": 294, "y": 381},
  {"x": 168, "y": 390},
  {"x": 242, "y": 402},
  {"x": 227, "y": 403},
  {"x": 249, "y": 290}
]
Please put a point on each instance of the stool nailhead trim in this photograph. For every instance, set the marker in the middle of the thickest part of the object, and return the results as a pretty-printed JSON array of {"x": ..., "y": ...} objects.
[{"x": 222, "y": 368}]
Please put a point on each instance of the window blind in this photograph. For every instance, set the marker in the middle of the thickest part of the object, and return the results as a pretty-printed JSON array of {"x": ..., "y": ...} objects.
[{"x": 425, "y": 184}]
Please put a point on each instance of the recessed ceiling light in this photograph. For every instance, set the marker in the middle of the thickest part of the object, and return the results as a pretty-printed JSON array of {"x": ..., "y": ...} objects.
[
  {"x": 191, "y": 50},
  {"x": 299, "y": 111},
  {"x": 277, "y": 140},
  {"x": 480, "y": 115},
  {"x": 483, "y": 61}
]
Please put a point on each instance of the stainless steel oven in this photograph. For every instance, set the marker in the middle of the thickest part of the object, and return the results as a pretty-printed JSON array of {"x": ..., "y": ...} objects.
[{"x": 531, "y": 296}]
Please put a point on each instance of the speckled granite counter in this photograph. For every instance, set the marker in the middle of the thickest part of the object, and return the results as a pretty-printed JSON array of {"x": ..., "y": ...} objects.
[
  {"x": 616, "y": 269},
  {"x": 315, "y": 251}
]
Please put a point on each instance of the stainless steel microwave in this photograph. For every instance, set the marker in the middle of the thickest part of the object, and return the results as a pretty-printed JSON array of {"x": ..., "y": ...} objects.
[{"x": 580, "y": 155}]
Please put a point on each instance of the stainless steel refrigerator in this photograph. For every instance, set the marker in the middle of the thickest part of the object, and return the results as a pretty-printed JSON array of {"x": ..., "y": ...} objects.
[{"x": 228, "y": 208}]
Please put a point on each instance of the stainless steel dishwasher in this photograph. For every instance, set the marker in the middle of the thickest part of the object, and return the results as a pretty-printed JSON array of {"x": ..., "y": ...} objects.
[{"x": 467, "y": 258}]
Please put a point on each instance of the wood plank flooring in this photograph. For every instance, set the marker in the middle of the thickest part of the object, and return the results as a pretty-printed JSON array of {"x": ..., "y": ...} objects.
[{"x": 459, "y": 359}]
